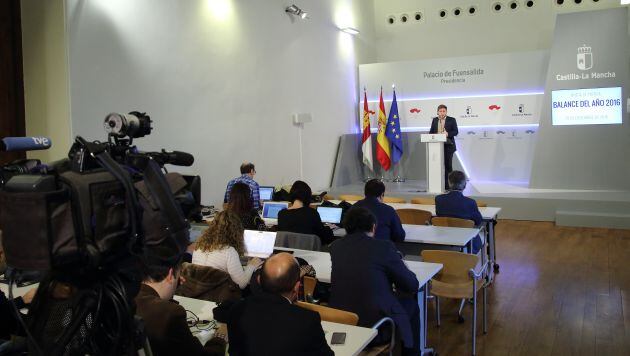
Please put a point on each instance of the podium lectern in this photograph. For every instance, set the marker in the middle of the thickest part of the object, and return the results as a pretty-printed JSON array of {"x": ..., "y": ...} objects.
[{"x": 435, "y": 161}]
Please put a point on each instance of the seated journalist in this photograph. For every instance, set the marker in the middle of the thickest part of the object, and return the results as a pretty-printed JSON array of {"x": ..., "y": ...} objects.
[
  {"x": 370, "y": 278},
  {"x": 455, "y": 205},
  {"x": 240, "y": 203},
  {"x": 164, "y": 319},
  {"x": 388, "y": 226},
  {"x": 268, "y": 323},
  {"x": 248, "y": 171},
  {"x": 300, "y": 217}
]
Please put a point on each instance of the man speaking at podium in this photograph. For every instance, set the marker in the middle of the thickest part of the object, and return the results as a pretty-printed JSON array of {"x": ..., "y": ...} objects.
[{"x": 448, "y": 125}]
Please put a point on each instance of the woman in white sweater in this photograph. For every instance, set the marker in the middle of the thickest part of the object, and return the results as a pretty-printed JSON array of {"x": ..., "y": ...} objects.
[{"x": 221, "y": 247}]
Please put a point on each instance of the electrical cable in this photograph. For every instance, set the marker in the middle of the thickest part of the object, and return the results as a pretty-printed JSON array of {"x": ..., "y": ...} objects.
[{"x": 19, "y": 317}]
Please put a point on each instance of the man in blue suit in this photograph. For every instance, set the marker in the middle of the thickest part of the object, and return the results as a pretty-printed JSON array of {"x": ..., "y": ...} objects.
[
  {"x": 455, "y": 205},
  {"x": 388, "y": 226},
  {"x": 365, "y": 273},
  {"x": 448, "y": 125}
]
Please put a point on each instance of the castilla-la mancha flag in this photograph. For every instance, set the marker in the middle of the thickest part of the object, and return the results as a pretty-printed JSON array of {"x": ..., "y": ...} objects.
[
  {"x": 366, "y": 142},
  {"x": 382, "y": 143}
]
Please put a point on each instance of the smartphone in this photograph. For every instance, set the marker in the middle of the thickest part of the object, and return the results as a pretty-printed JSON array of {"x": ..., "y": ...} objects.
[{"x": 338, "y": 339}]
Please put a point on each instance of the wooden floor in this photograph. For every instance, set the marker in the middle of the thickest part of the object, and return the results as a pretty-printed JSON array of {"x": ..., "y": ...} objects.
[{"x": 560, "y": 291}]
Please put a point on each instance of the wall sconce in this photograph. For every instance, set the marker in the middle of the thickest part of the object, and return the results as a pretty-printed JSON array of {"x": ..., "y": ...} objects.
[{"x": 294, "y": 10}]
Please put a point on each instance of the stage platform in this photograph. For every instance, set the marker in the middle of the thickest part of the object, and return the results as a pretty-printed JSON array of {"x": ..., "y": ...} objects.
[{"x": 587, "y": 208}]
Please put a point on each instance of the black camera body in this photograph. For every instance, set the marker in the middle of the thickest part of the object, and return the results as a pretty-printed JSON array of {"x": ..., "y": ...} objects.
[
  {"x": 94, "y": 208},
  {"x": 87, "y": 222}
]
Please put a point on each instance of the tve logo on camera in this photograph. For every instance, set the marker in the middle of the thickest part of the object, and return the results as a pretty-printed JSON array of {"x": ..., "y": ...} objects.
[{"x": 41, "y": 141}]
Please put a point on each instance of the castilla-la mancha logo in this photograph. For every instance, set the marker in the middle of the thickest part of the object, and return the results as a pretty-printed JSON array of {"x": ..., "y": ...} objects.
[{"x": 584, "y": 58}]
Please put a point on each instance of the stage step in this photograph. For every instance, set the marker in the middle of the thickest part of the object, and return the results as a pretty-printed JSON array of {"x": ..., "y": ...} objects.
[{"x": 592, "y": 219}]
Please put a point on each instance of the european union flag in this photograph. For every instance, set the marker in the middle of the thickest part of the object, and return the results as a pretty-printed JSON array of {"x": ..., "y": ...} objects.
[{"x": 393, "y": 132}]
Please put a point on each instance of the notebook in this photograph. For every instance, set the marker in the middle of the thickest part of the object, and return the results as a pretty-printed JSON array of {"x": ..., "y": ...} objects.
[
  {"x": 329, "y": 214},
  {"x": 259, "y": 243},
  {"x": 266, "y": 193}
]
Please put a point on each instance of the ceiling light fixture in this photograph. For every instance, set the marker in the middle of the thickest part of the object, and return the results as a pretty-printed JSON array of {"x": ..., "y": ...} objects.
[
  {"x": 350, "y": 30},
  {"x": 625, "y": 2},
  {"x": 294, "y": 10}
]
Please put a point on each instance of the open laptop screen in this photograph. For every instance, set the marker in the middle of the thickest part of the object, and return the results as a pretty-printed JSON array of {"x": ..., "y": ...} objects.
[
  {"x": 259, "y": 243},
  {"x": 329, "y": 214},
  {"x": 266, "y": 193},
  {"x": 271, "y": 210},
  {"x": 196, "y": 230}
]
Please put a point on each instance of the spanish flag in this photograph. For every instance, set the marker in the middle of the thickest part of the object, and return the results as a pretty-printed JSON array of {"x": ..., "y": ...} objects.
[
  {"x": 383, "y": 154},
  {"x": 366, "y": 142}
]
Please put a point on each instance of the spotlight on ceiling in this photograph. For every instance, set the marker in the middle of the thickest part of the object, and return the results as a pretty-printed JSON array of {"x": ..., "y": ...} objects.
[
  {"x": 625, "y": 2},
  {"x": 350, "y": 30},
  {"x": 294, "y": 10}
]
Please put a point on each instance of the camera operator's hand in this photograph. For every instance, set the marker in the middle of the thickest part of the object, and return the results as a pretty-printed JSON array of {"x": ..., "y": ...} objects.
[
  {"x": 28, "y": 296},
  {"x": 254, "y": 262},
  {"x": 191, "y": 248}
]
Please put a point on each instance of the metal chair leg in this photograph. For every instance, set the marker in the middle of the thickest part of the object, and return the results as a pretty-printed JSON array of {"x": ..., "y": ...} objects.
[
  {"x": 460, "y": 317},
  {"x": 474, "y": 321},
  {"x": 437, "y": 310},
  {"x": 485, "y": 312}
]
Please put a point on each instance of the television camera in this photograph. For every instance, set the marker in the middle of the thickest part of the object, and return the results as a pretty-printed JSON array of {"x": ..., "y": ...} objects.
[{"x": 88, "y": 223}]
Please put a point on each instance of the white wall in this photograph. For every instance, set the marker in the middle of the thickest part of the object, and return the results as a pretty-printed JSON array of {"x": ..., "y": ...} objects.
[
  {"x": 44, "y": 45},
  {"x": 486, "y": 32},
  {"x": 221, "y": 79}
]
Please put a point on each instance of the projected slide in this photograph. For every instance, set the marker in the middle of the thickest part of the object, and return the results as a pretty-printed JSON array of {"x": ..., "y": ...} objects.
[{"x": 594, "y": 106}]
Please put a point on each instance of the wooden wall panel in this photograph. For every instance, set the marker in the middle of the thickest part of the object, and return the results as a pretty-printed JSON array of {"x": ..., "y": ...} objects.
[{"x": 11, "y": 78}]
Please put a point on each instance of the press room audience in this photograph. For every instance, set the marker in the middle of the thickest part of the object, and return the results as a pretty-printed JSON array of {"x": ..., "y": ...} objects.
[
  {"x": 164, "y": 319},
  {"x": 369, "y": 278},
  {"x": 240, "y": 203},
  {"x": 221, "y": 247},
  {"x": 388, "y": 226},
  {"x": 300, "y": 217},
  {"x": 248, "y": 171},
  {"x": 454, "y": 204},
  {"x": 268, "y": 323}
]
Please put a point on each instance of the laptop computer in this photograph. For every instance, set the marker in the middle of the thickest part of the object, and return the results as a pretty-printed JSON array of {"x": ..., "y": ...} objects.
[
  {"x": 329, "y": 215},
  {"x": 271, "y": 210},
  {"x": 196, "y": 230},
  {"x": 266, "y": 193},
  {"x": 259, "y": 243}
]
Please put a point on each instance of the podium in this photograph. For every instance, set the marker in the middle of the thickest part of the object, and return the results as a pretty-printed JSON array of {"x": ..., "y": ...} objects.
[{"x": 435, "y": 161}]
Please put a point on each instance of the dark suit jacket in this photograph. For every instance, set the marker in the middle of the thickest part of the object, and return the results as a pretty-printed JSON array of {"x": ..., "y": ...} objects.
[
  {"x": 388, "y": 226},
  {"x": 267, "y": 324},
  {"x": 455, "y": 205},
  {"x": 363, "y": 272},
  {"x": 450, "y": 126},
  {"x": 167, "y": 329}
]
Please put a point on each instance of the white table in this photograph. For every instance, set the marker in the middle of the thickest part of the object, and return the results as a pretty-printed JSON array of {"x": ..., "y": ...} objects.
[
  {"x": 424, "y": 272},
  {"x": 434, "y": 235},
  {"x": 439, "y": 235},
  {"x": 357, "y": 338},
  {"x": 489, "y": 215}
]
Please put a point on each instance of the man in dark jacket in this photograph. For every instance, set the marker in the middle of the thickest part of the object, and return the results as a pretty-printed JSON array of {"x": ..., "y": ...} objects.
[
  {"x": 388, "y": 226},
  {"x": 267, "y": 323},
  {"x": 455, "y": 205},
  {"x": 164, "y": 319},
  {"x": 443, "y": 124},
  {"x": 364, "y": 270}
]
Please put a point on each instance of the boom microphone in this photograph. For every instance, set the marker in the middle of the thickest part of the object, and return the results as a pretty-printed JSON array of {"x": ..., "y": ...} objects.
[
  {"x": 9, "y": 144},
  {"x": 176, "y": 158}
]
